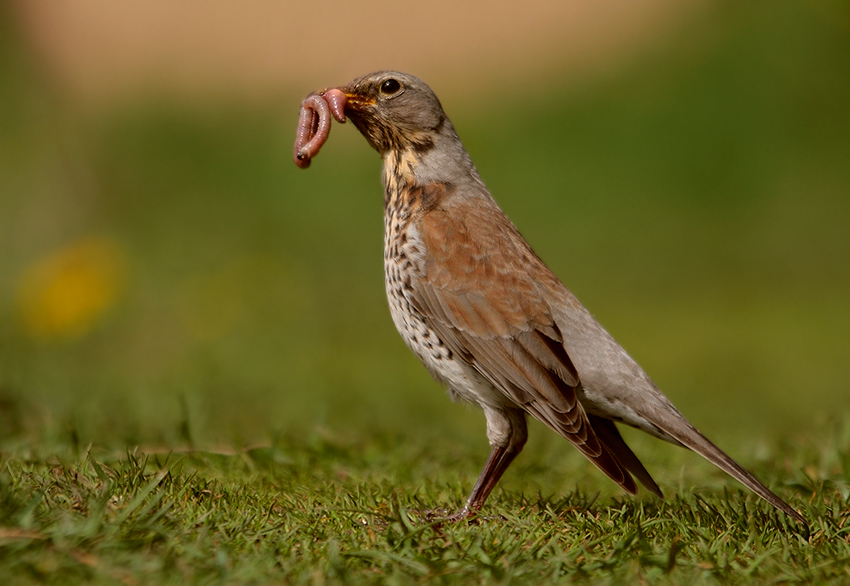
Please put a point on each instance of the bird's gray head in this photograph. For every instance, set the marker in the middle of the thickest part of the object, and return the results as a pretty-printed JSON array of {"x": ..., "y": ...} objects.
[{"x": 394, "y": 110}]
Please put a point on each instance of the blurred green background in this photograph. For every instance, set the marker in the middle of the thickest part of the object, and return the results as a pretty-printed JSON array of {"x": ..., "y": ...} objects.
[{"x": 167, "y": 275}]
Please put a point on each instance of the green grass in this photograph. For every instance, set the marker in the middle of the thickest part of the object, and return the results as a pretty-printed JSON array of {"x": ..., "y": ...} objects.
[
  {"x": 695, "y": 200},
  {"x": 314, "y": 509}
]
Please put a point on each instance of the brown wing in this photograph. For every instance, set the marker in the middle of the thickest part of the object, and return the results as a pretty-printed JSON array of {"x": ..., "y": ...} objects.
[{"x": 479, "y": 296}]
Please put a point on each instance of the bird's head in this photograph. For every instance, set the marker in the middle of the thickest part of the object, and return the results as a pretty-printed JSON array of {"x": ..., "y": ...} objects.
[{"x": 394, "y": 110}]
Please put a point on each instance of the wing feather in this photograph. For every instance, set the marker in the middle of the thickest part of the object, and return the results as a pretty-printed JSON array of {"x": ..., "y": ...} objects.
[{"x": 476, "y": 293}]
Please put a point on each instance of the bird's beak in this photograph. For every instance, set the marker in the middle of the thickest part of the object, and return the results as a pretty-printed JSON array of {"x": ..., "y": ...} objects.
[{"x": 356, "y": 101}]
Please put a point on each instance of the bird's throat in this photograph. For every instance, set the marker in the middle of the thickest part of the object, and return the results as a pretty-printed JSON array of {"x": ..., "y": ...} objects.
[{"x": 399, "y": 178}]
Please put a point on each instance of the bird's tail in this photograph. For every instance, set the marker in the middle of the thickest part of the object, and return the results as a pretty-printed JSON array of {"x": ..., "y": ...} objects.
[
  {"x": 686, "y": 434},
  {"x": 609, "y": 435}
]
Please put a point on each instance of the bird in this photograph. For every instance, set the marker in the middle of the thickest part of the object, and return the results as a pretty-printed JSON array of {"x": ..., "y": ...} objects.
[{"x": 484, "y": 314}]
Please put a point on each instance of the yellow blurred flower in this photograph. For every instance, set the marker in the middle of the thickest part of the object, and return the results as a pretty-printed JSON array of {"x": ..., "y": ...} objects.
[{"x": 65, "y": 294}]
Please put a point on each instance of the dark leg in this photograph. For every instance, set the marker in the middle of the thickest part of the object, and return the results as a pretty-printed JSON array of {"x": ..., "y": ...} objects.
[{"x": 497, "y": 463}]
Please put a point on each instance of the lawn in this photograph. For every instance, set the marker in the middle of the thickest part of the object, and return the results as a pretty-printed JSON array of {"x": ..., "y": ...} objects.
[
  {"x": 200, "y": 381},
  {"x": 318, "y": 508}
]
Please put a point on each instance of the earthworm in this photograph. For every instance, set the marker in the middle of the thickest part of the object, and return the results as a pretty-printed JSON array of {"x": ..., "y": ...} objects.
[
  {"x": 336, "y": 100},
  {"x": 314, "y": 123}
]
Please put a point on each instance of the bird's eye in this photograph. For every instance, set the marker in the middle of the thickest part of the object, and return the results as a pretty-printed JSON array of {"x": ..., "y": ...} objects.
[{"x": 390, "y": 87}]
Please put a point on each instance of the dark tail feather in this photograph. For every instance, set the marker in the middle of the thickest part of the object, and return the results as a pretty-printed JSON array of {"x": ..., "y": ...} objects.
[
  {"x": 609, "y": 435},
  {"x": 685, "y": 433},
  {"x": 592, "y": 446},
  {"x": 703, "y": 446}
]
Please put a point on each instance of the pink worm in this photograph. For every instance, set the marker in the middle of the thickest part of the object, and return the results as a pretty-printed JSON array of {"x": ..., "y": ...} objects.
[{"x": 314, "y": 123}]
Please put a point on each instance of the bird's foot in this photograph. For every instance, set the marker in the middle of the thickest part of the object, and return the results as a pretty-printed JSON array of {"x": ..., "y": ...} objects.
[
  {"x": 443, "y": 515},
  {"x": 467, "y": 514}
]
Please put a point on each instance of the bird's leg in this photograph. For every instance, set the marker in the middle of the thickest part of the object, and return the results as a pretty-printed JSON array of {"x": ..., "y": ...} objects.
[
  {"x": 507, "y": 433},
  {"x": 498, "y": 461}
]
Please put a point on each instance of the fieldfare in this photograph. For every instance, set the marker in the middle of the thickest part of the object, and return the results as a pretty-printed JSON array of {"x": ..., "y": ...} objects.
[{"x": 478, "y": 307}]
